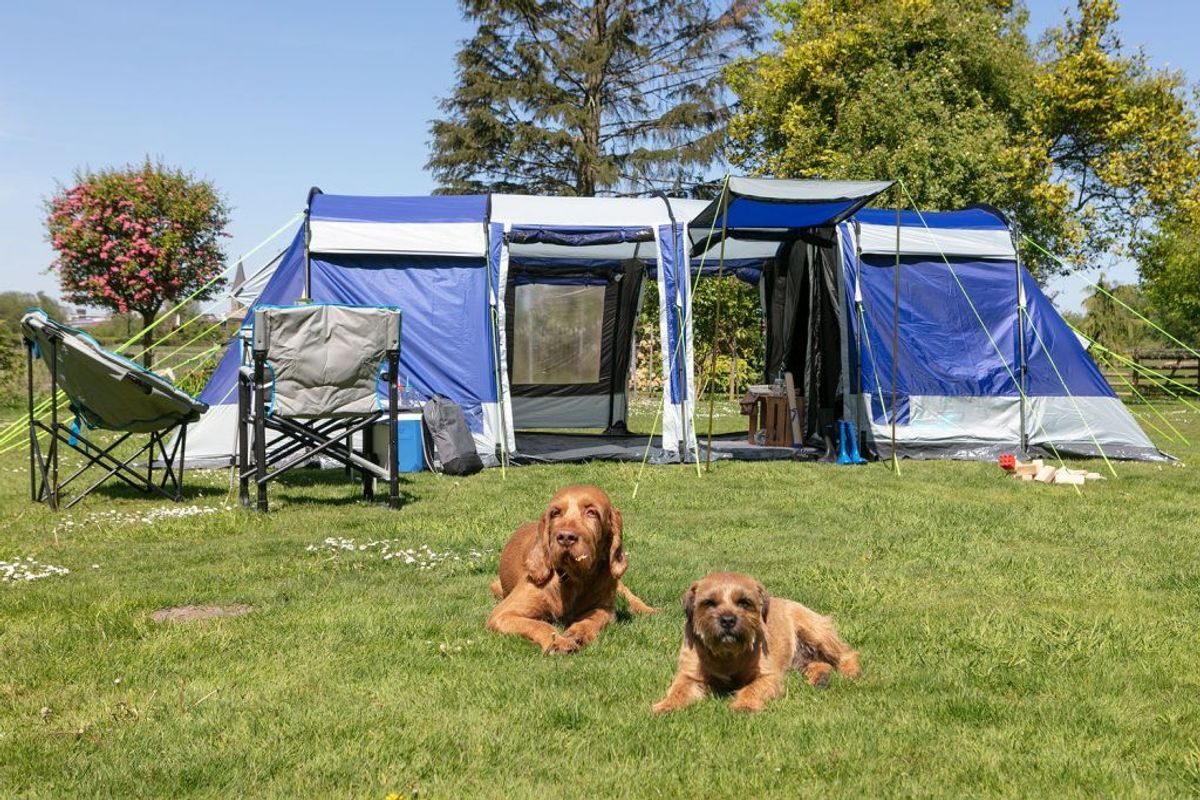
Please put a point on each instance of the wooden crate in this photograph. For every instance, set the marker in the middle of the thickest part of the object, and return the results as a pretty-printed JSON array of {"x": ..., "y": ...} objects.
[{"x": 778, "y": 424}]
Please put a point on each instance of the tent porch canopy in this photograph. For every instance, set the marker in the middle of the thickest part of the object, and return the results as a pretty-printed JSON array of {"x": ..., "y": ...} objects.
[{"x": 768, "y": 208}]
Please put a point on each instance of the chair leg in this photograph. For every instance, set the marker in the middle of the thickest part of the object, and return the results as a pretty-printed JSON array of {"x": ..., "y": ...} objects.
[
  {"x": 243, "y": 443},
  {"x": 260, "y": 436},
  {"x": 182, "y": 457},
  {"x": 393, "y": 466},
  {"x": 33, "y": 455},
  {"x": 52, "y": 488},
  {"x": 368, "y": 480}
]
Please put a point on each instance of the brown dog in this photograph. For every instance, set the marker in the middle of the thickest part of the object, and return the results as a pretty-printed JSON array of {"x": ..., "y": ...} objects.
[
  {"x": 737, "y": 639},
  {"x": 565, "y": 568}
]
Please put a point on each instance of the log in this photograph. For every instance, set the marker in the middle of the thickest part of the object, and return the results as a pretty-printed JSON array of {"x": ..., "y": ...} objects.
[
  {"x": 1045, "y": 475},
  {"x": 794, "y": 411},
  {"x": 1066, "y": 476}
]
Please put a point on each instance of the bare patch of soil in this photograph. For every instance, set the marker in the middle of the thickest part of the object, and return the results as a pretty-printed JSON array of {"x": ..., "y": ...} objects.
[{"x": 197, "y": 613}]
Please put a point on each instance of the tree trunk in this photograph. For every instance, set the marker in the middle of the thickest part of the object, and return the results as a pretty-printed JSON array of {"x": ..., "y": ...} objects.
[
  {"x": 589, "y": 162},
  {"x": 148, "y": 337},
  {"x": 733, "y": 370}
]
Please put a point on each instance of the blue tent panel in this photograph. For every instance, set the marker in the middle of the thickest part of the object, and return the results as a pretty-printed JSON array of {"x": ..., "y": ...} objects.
[
  {"x": 1051, "y": 343},
  {"x": 967, "y": 219},
  {"x": 944, "y": 350},
  {"x": 436, "y": 208}
]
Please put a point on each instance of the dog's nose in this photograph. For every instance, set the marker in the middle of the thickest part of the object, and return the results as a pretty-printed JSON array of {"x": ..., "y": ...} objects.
[
  {"x": 728, "y": 621},
  {"x": 567, "y": 538}
]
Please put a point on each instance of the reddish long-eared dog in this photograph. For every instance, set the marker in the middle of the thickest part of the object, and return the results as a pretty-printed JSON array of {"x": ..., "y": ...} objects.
[
  {"x": 737, "y": 639},
  {"x": 565, "y": 568}
]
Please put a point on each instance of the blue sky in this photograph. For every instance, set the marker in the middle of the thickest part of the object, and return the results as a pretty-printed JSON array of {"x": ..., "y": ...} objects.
[{"x": 269, "y": 98}]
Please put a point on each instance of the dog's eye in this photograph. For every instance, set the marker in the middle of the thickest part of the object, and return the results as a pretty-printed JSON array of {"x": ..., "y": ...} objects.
[
  {"x": 746, "y": 603},
  {"x": 591, "y": 512},
  {"x": 556, "y": 512},
  {"x": 709, "y": 603}
]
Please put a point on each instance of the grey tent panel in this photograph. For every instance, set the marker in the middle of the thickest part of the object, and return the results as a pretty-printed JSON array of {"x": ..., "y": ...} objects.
[
  {"x": 325, "y": 359},
  {"x": 104, "y": 389},
  {"x": 800, "y": 191}
]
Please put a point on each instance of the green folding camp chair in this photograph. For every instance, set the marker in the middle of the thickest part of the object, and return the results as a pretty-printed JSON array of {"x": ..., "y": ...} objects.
[
  {"x": 313, "y": 382},
  {"x": 107, "y": 392}
]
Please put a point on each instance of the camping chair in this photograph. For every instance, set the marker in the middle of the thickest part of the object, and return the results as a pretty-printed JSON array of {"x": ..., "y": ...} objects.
[
  {"x": 312, "y": 381},
  {"x": 108, "y": 392}
]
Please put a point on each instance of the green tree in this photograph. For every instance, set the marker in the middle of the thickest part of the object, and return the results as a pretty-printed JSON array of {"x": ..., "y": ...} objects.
[
  {"x": 576, "y": 98},
  {"x": 737, "y": 338},
  {"x": 1109, "y": 322},
  {"x": 1083, "y": 147},
  {"x": 934, "y": 92},
  {"x": 13, "y": 306},
  {"x": 133, "y": 238},
  {"x": 1122, "y": 135},
  {"x": 1170, "y": 267}
]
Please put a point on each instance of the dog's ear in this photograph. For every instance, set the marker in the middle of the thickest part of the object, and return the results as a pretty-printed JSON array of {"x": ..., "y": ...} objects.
[
  {"x": 689, "y": 609},
  {"x": 618, "y": 562},
  {"x": 537, "y": 560},
  {"x": 764, "y": 601}
]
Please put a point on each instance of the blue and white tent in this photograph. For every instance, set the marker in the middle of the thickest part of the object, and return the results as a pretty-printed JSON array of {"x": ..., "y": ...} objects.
[
  {"x": 985, "y": 364},
  {"x": 928, "y": 320},
  {"x": 522, "y": 310}
]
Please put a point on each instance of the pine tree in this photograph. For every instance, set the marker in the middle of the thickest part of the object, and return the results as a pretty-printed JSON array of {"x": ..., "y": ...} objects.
[{"x": 576, "y": 98}]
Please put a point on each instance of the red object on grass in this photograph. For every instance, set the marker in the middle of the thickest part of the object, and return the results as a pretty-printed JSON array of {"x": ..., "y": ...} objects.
[{"x": 1008, "y": 462}]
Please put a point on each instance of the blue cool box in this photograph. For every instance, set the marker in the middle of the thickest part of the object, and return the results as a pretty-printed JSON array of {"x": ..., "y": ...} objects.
[{"x": 410, "y": 442}]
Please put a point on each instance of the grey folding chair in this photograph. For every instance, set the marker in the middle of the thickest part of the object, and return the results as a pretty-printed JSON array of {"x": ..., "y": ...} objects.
[
  {"x": 108, "y": 392},
  {"x": 313, "y": 381}
]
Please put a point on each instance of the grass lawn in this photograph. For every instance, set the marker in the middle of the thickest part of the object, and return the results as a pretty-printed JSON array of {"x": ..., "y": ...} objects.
[{"x": 1016, "y": 639}]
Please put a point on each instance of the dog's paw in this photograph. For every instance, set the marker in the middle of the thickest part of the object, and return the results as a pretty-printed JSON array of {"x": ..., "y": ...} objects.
[
  {"x": 662, "y": 707},
  {"x": 818, "y": 673},
  {"x": 563, "y": 645},
  {"x": 747, "y": 704}
]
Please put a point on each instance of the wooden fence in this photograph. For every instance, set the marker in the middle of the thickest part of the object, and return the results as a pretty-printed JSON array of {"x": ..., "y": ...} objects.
[{"x": 1175, "y": 365}]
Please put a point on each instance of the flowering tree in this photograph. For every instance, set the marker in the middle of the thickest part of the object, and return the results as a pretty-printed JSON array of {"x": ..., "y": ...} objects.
[{"x": 134, "y": 238}]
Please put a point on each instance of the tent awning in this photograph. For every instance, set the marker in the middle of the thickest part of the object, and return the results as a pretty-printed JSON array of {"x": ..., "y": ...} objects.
[{"x": 769, "y": 203}]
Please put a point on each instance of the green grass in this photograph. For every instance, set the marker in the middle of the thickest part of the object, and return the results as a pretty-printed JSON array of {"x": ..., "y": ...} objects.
[{"x": 1016, "y": 639}]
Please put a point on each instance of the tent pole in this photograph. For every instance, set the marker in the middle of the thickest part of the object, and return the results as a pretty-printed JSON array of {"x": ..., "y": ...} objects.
[
  {"x": 895, "y": 335},
  {"x": 494, "y": 299},
  {"x": 859, "y": 416},
  {"x": 1023, "y": 366},
  {"x": 712, "y": 362},
  {"x": 306, "y": 297}
]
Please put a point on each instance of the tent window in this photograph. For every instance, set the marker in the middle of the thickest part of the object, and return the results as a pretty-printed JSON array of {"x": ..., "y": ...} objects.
[{"x": 557, "y": 334}]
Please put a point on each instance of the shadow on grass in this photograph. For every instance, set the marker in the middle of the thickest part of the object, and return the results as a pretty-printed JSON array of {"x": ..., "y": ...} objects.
[
  {"x": 290, "y": 489},
  {"x": 115, "y": 489}
]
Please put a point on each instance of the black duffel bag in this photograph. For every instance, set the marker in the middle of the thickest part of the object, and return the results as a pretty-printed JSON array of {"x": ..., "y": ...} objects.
[{"x": 449, "y": 439}]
